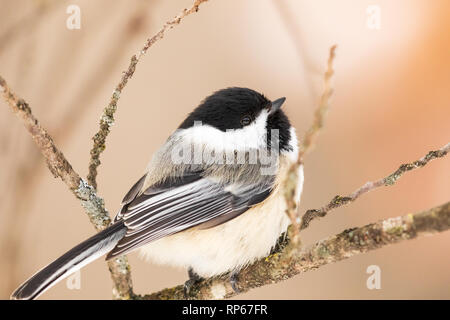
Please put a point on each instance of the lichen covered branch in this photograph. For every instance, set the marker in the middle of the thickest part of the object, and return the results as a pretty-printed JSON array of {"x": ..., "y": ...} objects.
[
  {"x": 305, "y": 146},
  {"x": 119, "y": 267},
  {"x": 339, "y": 201},
  {"x": 289, "y": 259},
  {"x": 107, "y": 118},
  {"x": 56, "y": 162},
  {"x": 310, "y": 137},
  {"x": 60, "y": 167},
  {"x": 292, "y": 260}
]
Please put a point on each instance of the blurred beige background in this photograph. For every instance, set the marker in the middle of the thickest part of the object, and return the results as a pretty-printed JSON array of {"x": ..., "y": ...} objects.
[{"x": 390, "y": 106}]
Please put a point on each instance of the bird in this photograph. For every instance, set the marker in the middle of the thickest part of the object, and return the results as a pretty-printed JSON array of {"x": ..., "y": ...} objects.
[{"x": 212, "y": 199}]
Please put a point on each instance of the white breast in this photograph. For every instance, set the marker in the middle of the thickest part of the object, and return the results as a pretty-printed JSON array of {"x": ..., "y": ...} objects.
[{"x": 231, "y": 245}]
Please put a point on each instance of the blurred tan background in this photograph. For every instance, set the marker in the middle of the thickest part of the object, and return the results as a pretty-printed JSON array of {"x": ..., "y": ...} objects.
[{"x": 390, "y": 106}]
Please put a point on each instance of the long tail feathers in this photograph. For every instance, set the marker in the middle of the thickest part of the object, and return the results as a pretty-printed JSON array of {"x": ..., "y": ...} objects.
[{"x": 71, "y": 261}]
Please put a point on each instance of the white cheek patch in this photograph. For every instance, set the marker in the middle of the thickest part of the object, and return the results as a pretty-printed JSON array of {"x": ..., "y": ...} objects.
[{"x": 252, "y": 136}]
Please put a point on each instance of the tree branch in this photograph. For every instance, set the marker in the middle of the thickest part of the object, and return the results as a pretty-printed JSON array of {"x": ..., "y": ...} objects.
[
  {"x": 119, "y": 267},
  {"x": 339, "y": 201},
  {"x": 56, "y": 162},
  {"x": 292, "y": 260},
  {"x": 107, "y": 118},
  {"x": 319, "y": 116},
  {"x": 306, "y": 146},
  {"x": 60, "y": 167}
]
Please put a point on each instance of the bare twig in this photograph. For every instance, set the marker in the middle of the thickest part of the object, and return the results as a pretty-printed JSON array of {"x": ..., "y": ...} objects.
[
  {"x": 292, "y": 260},
  {"x": 56, "y": 162},
  {"x": 119, "y": 268},
  {"x": 319, "y": 116},
  {"x": 29, "y": 171},
  {"x": 306, "y": 146},
  {"x": 390, "y": 180},
  {"x": 107, "y": 118},
  {"x": 60, "y": 167}
]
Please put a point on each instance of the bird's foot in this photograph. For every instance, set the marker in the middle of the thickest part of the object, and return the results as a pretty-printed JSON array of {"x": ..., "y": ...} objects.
[
  {"x": 234, "y": 277},
  {"x": 193, "y": 279}
]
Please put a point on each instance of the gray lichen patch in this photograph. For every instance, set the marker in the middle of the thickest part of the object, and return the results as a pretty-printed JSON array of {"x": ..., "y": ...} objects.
[
  {"x": 93, "y": 204},
  {"x": 394, "y": 226},
  {"x": 108, "y": 120}
]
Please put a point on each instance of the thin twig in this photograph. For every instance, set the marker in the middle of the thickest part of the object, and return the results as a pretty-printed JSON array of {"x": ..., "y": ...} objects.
[
  {"x": 339, "y": 201},
  {"x": 56, "y": 162},
  {"x": 107, "y": 118},
  {"x": 119, "y": 267},
  {"x": 60, "y": 167},
  {"x": 319, "y": 116},
  {"x": 292, "y": 260},
  {"x": 30, "y": 170},
  {"x": 306, "y": 146}
]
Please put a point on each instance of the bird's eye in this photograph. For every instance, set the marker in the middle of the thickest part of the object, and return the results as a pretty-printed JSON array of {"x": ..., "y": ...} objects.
[{"x": 246, "y": 120}]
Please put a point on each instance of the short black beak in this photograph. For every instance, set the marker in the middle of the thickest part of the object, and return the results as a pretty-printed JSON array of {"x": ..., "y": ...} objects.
[{"x": 276, "y": 105}]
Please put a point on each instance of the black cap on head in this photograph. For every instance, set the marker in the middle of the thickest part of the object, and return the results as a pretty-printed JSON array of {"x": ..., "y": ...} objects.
[
  {"x": 225, "y": 108},
  {"x": 234, "y": 108}
]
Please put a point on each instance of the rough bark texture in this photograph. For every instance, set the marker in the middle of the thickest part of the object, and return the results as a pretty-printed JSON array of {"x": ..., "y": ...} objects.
[
  {"x": 306, "y": 145},
  {"x": 292, "y": 260},
  {"x": 56, "y": 162},
  {"x": 339, "y": 201},
  {"x": 289, "y": 259},
  {"x": 107, "y": 118},
  {"x": 119, "y": 268},
  {"x": 60, "y": 167}
]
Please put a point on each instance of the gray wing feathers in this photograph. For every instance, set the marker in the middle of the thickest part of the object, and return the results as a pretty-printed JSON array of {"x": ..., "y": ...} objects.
[
  {"x": 134, "y": 191},
  {"x": 203, "y": 203}
]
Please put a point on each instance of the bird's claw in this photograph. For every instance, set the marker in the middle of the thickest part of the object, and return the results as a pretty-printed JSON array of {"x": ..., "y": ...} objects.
[
  {"x": 193, "y": 279},
  {"x": 187, "y": 287},
  {"x": 234, "y": 277}
]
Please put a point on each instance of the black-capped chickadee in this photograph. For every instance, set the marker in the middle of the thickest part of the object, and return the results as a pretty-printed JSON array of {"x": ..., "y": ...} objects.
[{"x": 211, "y": 199}]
